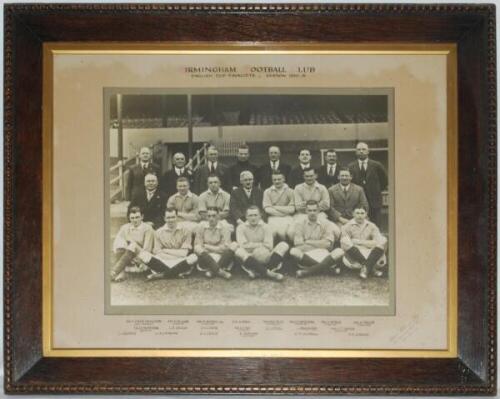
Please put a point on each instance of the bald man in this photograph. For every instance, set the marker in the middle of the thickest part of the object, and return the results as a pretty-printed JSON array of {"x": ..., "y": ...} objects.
[
  {"x": 168, "y": 181},
  {"x": 265, "y": 172},
  {"x": 136, "y": 173},
  {"x": 372, "y": 176}
]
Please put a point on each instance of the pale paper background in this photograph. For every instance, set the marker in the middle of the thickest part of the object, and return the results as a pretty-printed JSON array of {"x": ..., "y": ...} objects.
[
  {"x": 156, "y": 1},
  {"x": 420, "y": 192}
]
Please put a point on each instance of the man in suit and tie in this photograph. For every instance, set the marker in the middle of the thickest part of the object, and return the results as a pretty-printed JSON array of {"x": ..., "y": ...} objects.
[
  {"x": 136, "y": 173},
  {"x": 168, "y": 181},
  {"x": 242, "y": 164},
  {"x": 244, "y": 197},
  {"x": 296, "y": 175},
  {"x": 265, "y": 172},
  {"x": 345, "y": 197},
  {"x": 151, "y": 201},
  {"x": 328, "y": 174},
  {"x": 212, "y": 167},
  {"x": 372, "y": 176}
]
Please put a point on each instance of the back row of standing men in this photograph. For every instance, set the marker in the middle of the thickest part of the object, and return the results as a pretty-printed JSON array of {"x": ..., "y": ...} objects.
[{"x": 364, "y": 172}]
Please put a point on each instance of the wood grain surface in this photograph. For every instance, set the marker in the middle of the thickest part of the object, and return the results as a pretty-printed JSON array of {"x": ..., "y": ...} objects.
[{"x": 27, "y": 27}]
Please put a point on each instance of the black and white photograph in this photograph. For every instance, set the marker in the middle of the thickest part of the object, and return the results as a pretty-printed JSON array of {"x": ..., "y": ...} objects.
[{"x": 242, "y": 201}]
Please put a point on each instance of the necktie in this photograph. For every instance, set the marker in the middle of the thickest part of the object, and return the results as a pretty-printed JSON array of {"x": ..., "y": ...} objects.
[
  {"x": 210, "y": 167},
  {"x": 330, "y": 170},
  {"x": 274, "y": 165}
]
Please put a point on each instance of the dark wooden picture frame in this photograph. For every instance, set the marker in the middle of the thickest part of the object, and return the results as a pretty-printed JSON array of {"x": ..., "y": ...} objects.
[{"x": 471, "y": 28}]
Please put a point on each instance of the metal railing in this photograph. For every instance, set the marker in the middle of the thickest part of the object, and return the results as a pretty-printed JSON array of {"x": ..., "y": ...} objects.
[
  {"x": 198, "y": 158},
  {"x": 120, "y": 167}
]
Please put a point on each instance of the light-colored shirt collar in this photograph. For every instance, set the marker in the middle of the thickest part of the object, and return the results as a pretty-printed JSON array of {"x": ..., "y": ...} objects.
[
  {"x": 166, "y": 227},
  {"x": 315, "y": 185},
  {"x": 274, "y": 163},
  {"x": 364, "y": 161},
  {"x": 261, "y": 223},
  {"x": 132, "y": 227},
  {"x": 212, "y": 164},
  {"x": 206, "y": 225},
  {"x": 285, "y": 186},
  {"x": 189, "y": 194},
  {"x": 316, "y": 222},
  {"x": 219, "y": 191},
  {"x": 179, "y": 171},
  {"x": 305, "y": 166},
  {"x": 345, "y": 187}
]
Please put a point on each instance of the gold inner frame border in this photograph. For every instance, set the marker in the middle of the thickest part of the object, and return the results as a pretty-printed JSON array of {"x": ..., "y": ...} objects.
[{"x": 447, "y": 49}]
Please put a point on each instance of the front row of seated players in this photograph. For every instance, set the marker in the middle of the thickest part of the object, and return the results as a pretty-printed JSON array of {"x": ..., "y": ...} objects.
[{"x": 166, "y": 251}]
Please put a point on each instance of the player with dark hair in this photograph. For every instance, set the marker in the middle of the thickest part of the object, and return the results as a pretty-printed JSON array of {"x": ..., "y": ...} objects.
[
  {"x": 314, "y": 241},
  {"x": 242, "y": 164},
  {"x": 131, "y": 235},
  {"x": 279, "y": 204},
  {"x": 213, "y": 246},
  {"x": 186, "y": 204},
  {"x": 170, "y": 257},
  {"x": 364, "y": 245},
  {"x": 256, "y": 248}
]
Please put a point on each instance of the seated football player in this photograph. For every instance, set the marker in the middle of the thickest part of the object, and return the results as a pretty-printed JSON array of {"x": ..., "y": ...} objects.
[
  {"x": 364, "y": 245},
  {"x": 311, "y": 190},
  {"x": 170, "y": 257},
  {"x": 186, "y": 204},
  {"x": 131, "y": 235},
  {"x": 279, "y": 204},
  {"x": 213, "y": 246},
  {"x": 215, "y": 197},
  {"x": 314, "y": 241},
  {"x": 256, "y": 249}
]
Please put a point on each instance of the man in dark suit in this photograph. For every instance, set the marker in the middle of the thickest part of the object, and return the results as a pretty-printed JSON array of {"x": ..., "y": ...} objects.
[
  {"x": 265, "y": 172},
  {"x": 328, "y": 174},
  {"x": 296, "y": 175},
  {"x": 168, "y": 181},
  {"x": 135, "y": 179},
  {"x": 152, "y": 201},
  {"x": 345, "y": 197},
  {"x": 372, "y": 176},
  {"x": 241, "y": 165},
  {"x": 212, "y": 166},
  {"x": 244, "y": 197}
]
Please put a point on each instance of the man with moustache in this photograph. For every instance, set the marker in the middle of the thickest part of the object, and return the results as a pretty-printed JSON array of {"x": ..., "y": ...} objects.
[
  {"x": 151, "y": 200},
  {"x": 328, "y": 174},
  {"x": 345, "y": 197},
  {"x": 297, "y": 174},
  {"x": 241, "y": 165},
  {"x": 136, "y": 173},
  {"x": 370, "y": 175},
  {"x": 264, "y": 173},
  {"x": 168, "y": 181}
]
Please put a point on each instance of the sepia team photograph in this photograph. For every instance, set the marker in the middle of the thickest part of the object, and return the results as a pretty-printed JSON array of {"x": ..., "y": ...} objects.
[{"x": 251, "y": 202}]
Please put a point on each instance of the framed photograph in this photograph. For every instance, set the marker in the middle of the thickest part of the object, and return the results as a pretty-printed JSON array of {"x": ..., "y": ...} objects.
[{"x": 293, "y": 199}]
